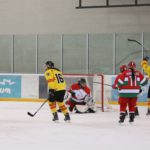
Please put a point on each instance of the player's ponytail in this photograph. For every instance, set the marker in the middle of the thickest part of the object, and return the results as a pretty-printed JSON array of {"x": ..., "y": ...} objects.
[
  {"x": 133, "y": 75},
  {"x": 132, "y": 66}
]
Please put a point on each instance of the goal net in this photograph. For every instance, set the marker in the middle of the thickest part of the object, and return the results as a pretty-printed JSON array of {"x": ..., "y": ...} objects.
[{"x": 96, "y": 84}]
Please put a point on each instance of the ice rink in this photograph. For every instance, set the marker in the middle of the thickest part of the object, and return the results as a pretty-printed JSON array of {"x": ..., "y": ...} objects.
[{"x": 99, "y": 131}]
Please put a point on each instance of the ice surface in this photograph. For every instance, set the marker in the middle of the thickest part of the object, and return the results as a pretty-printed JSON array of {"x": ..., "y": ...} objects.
[{"x": 98, "y": 131}]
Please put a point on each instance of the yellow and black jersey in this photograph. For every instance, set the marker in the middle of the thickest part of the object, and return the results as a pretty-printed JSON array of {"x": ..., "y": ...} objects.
[
  {"x": 146, "y": 67},
  {"x": 55, "y": 79}
]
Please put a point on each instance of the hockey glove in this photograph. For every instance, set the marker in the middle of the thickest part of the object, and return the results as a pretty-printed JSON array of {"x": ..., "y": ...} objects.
[
  {"x": 72, "y": 93},
  {"x": 114, "y": 86},
  {"x": 140, "y": 90}
]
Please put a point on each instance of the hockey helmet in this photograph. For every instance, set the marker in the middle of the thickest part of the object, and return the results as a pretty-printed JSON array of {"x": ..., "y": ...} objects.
[
  {"x": 123, "y": 68},
  {"x": 146, "y": 58},
  {"x": 131, "y": 64},
  {"x": 82, "y": 82},
  {"x": 50, "y": 64}
]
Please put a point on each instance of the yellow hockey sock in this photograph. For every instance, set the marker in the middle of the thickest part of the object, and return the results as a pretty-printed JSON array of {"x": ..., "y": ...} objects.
[
  {"x": 63, "y": 107},
  {"x": 52, "y": 106},
  {"x": 148, "y": 103}
]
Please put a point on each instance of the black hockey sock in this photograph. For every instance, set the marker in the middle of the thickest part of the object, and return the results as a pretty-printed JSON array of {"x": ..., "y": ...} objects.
[
  {"x": 122, "y": 117},
  {"x": 132, "y": 115}
]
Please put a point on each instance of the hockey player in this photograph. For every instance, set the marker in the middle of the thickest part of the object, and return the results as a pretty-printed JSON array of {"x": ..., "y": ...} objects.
[
  {"x": 122, "y": 69},
  {"x": 114, "y": 86},
  {"x": 129, "y": 84},
  {"x": 56, "y": 86},
  {"x": 80, "y": 95},
  {"x": 146, "y": 68}
]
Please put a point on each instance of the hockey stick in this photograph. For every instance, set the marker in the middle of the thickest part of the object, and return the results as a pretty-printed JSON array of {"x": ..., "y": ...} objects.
[
  {"x": 32, "y": 115},
  {"x": 133, "y": 40},
  {"x": 103, "y": 84}
]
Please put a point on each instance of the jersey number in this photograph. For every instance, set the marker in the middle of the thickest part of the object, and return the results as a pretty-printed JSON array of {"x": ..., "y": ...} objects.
[{"x": 59, "y": 78}]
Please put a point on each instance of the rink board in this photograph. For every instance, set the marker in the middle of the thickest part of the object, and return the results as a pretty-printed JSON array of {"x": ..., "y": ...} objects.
[
  {"x": 42, "y": 100},
  {"x": 33, "y": 88}
]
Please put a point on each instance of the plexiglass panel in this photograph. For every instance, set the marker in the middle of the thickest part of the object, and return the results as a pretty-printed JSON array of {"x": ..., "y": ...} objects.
[
  {"x": 146, "y": 44},
  {"x": 6, "y": 53},
  {"x": 25, "y": 53},
  {"x": 74, "y": 54},
  {"x": 101, "y": 53},
  {"x": 49, "y": 48},
  {"x": 128, "y": 48}
]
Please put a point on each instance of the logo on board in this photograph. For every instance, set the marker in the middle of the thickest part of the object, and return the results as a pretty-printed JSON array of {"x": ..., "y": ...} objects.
[{"x": 10, "y": 86}]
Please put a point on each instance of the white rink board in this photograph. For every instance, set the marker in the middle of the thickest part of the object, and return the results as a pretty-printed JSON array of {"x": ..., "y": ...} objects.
[
  {"x": 30, "y": 86},
  {"x": 108, "y": 89}
]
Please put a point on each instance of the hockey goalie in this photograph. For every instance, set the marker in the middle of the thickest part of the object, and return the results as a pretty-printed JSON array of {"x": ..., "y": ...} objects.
[{"x": 80, "y": 98}]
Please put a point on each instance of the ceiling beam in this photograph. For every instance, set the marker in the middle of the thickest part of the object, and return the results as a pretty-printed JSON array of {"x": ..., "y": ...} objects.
[{"x": 108, "y": 5}]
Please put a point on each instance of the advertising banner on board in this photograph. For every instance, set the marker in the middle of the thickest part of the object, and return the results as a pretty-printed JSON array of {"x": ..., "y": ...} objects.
[{"x": 10, "y": 86}]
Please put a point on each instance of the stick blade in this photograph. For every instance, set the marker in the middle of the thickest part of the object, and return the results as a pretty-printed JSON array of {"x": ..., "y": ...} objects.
[
  {"x": 130, "y": 40},
  {"x": 31, "y": 115}
]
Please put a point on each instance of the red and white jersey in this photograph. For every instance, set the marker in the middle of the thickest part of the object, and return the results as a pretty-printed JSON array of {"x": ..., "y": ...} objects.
[
  {"x": 129, "y": 87},
  {"x": 115, "y": 86},
  {"x": 79, "y": 93}
]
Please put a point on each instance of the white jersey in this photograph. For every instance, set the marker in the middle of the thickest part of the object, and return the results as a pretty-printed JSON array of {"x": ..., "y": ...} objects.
[{"x": 80, "y": 94}]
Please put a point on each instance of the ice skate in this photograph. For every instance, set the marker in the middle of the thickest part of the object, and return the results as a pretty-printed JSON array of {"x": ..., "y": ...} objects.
[
  {"x": 136, "y": 111},
  {"x": 122, "y": 118},
  {"x": 148, "y": 112},
  {"x": 67, "y": 117},
  {"x": 55, "y": 117}
]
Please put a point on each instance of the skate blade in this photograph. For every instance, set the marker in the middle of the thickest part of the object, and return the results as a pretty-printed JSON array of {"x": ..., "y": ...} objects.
[
  {"x": 56, "y": 121},
  {"x": 68, "y": 121},
  {"x": 121, "y": 123},
  {"x": 131, "y": 123}
]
